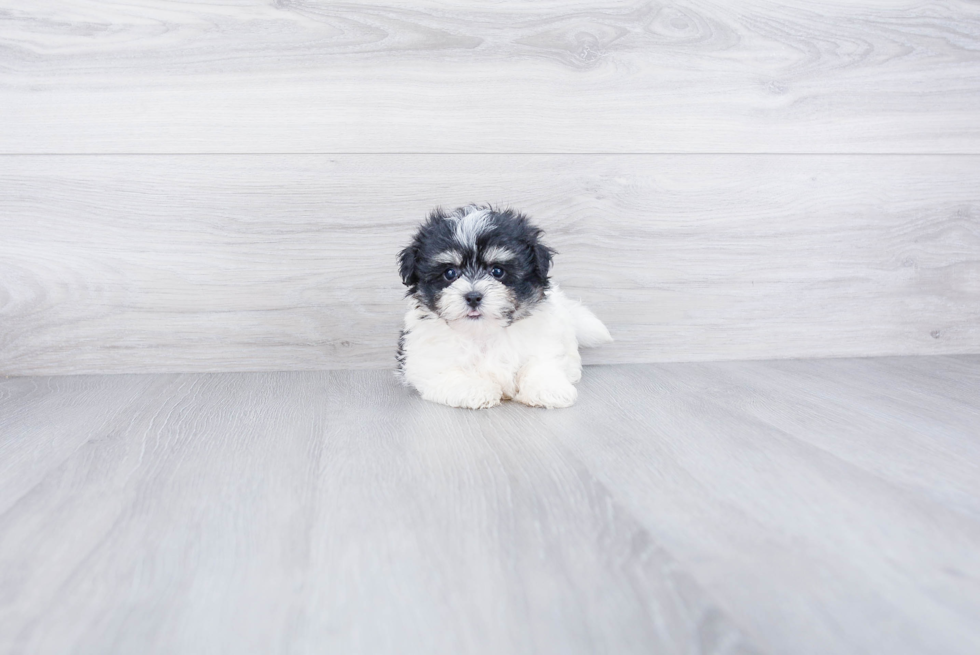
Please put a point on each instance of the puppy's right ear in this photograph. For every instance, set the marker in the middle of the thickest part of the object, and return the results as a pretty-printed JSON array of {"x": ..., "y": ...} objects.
[{"x": 408, "y": 265}]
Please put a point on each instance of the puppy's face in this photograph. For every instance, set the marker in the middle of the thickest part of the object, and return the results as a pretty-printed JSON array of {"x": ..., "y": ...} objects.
[{"x": 477, "y": 265}]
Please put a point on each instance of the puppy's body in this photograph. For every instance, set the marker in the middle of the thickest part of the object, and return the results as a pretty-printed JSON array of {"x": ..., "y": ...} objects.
[
  {"x": 534, "y": 360},
  {"x": 484, "y": 323}
]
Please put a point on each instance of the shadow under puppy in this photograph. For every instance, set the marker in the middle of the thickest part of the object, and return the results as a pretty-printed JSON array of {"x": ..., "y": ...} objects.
[{"x": 484, "y": 323}]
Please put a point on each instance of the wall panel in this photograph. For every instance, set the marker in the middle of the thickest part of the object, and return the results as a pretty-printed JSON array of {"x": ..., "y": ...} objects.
[
  {"x": 202, "y": 263},
  {"x": 592, "y": 76}
]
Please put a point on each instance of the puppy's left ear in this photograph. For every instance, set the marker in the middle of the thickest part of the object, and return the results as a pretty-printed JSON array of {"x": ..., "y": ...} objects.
[
  {"x": 542, "y": 259},
  {"x": 408, "y": 265}
]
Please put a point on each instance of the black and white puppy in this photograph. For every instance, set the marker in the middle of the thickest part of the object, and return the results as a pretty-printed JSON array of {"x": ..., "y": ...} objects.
[{"x": 484, "y": 323}]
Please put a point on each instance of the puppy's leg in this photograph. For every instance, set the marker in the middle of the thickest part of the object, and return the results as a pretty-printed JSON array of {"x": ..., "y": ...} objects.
[
  {"x": 572, "y": 363},
  {"x": 545, "y": 383},
  {"x": 458, "y": 388}
]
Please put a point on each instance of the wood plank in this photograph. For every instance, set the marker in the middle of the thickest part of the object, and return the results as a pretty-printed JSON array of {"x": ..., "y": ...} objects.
[
  {"x": 321, "y": 512},
  {"x": 830, "y": 506},
  {"x": 209, "y": 263},
  {"x": 800, "y": 507},
  {"x": 72, "y": 411},
  {"x": 574, "y": 76}
]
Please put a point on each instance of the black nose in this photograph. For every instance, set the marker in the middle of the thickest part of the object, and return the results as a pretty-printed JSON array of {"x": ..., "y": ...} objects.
[{"x": 473, "y": 298}]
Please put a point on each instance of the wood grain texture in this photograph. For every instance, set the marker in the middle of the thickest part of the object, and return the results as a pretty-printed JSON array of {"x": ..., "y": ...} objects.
[
  {"x": 579, "y": 76},
  {"x": 787, "y": 507},
  {"x": 210, "y": 263},
  {"x": 318, "y": 512},
  {"x": 819, "y": 501}
]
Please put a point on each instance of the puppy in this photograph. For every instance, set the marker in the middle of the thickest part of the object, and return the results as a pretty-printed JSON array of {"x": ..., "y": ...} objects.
[{"x": 483, "y": 323}]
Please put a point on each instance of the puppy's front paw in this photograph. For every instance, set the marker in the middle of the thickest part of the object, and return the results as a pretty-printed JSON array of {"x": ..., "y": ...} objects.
[
  {"x": 551, "y": 394},
  {"x": 471, "y": 394}
]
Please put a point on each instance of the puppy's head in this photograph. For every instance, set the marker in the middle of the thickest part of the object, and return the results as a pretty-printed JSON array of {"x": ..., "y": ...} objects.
[{"x": 477, "y": 265}]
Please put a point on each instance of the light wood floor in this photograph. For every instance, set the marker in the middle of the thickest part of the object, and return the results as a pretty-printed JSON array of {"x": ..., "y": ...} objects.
[{"x": 823, "y": 506}]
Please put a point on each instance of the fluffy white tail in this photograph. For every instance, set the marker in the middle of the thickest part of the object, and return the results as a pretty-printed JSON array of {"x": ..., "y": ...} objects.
[{"x": 589, "y": 330}]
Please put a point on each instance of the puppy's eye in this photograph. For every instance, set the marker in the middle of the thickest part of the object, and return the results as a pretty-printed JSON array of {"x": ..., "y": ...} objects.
[
  {"x": 497, "y": 272},
  {"x": 451, "y": 274}
]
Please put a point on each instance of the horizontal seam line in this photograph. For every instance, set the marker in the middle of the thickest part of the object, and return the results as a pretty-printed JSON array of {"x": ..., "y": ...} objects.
[{"x": 470, "y": 154}]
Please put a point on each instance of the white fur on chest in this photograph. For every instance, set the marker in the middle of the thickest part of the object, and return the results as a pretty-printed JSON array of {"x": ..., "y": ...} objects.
[{"x": 477, "y": 363}]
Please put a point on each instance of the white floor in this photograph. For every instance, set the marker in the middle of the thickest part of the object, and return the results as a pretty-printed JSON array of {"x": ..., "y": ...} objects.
[{"x": 822, "y": 506}]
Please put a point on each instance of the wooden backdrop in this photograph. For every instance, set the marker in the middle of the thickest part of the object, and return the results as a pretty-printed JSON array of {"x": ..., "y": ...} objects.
[{"x": 224, "y": 185}]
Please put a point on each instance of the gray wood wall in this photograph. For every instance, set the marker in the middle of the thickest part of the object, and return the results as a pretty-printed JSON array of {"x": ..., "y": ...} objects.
[{"x": 214, "y": 186}]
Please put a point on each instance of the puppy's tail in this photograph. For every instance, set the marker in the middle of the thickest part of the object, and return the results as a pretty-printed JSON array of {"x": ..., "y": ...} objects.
[{"x": 589, "y": 330}]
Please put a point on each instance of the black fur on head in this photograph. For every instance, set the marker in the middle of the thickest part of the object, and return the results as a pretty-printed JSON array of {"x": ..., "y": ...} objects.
[{"x": 477, "y": 250}]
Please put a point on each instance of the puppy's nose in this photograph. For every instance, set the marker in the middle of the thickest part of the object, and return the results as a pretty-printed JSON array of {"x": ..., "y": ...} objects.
[{"x": 473, "y": 298}]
